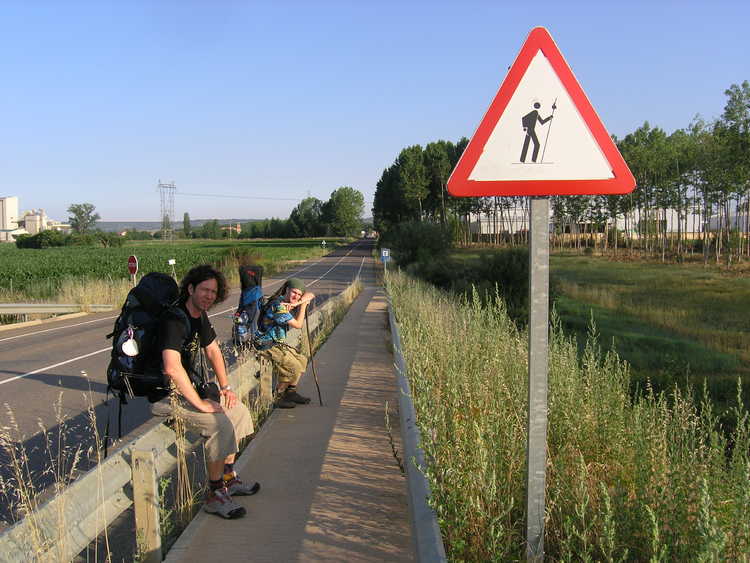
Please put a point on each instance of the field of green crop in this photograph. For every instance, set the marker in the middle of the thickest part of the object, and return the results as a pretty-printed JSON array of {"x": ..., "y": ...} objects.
[
  {"x": 673, "y": 323},
  {"x": 41, "y": 273}
]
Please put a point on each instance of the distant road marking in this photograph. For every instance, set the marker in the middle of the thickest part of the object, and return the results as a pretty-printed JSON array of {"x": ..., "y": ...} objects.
[
  {"x": 332, "y": 267},
  {"x": 108, "y": 348},
  {"x": 56, "y": 328}
]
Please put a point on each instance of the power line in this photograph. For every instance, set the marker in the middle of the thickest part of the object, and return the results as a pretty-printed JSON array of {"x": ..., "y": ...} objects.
[
  {"x": 240, "y": 196},
  {"x": 248, "y": 197}
]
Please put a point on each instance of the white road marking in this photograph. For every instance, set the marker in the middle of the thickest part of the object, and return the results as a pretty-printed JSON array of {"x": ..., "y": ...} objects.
[
  {"x": 56, "y": 328},
  {"x": 332, "y": 267},
  {"x": 108, "y": 348},
  {"x": 360, "y": 267}
]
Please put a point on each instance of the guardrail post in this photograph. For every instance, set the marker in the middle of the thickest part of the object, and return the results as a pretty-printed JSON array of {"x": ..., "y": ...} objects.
[
  {"x": 266, "y": 381},
  {"x": 146, "y": 503}
]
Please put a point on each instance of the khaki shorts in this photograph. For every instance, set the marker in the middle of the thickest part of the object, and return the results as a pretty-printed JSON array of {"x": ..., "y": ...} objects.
[
  {"x": 222, "y": 430},
  {"x": 289, "y": 364}
]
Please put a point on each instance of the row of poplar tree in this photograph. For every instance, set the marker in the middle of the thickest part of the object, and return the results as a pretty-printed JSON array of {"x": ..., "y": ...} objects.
[{"x": 699, "y": 175}]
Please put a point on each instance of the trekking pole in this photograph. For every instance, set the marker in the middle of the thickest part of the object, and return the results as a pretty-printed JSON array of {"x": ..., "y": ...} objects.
[
  {"x": 554, "y": 107},
  {"x": 312, "y": 361}
]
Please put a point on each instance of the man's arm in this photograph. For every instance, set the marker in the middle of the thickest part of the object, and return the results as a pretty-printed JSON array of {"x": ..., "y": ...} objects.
[
  {"x": 299, "y": 317},
  {"x": 176, "y": 372},
  {"x": 214, "y": 355}
]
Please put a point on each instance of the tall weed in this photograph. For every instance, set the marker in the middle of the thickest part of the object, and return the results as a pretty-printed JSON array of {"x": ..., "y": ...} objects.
[{"x": 648, "y": 478}]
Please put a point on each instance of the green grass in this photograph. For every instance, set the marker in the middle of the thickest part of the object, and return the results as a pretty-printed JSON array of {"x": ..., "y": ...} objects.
[
  {"x": 669, "y": 321},
  {"x": 642, "y": 344},
  {"x": 672, "y": 322}
]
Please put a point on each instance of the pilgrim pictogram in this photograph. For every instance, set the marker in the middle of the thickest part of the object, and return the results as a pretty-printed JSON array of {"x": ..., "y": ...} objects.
[{"x": 529, "y": 122}]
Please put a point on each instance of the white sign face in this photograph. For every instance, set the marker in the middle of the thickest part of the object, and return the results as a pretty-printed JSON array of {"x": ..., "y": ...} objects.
[
  {"x": 541, "y": 135},
  {"x": 385, "y": 252}
]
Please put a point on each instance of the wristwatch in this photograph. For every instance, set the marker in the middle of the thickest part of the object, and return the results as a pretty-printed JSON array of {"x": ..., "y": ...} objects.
[{"x": 226, "y": 387}]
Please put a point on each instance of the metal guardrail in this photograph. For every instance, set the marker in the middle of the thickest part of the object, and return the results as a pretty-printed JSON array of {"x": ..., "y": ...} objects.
[
  {"x": 428, "y": 542},
  {"x": 34, "y": 308},
  {"x": 67, "y": 523}
]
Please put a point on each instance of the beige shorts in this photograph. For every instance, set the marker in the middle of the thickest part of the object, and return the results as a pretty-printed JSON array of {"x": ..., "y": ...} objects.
[
  {"x": 289, "y": 364},
  {"x": 223, "y": 431}
]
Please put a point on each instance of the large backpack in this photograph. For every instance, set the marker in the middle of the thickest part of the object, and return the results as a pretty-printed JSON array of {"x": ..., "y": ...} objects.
[
  {"x": 251, "y": 301},
  {"x": 135, "y": 369}
]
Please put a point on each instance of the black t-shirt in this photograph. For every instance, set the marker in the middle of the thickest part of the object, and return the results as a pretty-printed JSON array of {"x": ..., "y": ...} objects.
[{"x": 173, "y": 335}]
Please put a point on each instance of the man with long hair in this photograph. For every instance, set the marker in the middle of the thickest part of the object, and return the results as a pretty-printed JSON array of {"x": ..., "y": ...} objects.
[{"x": 210, "y": 408}]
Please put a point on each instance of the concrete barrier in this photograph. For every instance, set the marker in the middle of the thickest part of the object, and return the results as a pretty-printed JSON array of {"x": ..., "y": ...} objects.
[{"x": 428, "y": 542}]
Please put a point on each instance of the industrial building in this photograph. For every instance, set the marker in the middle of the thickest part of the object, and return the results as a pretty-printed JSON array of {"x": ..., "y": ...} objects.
[{"x": 31, "y": 222}]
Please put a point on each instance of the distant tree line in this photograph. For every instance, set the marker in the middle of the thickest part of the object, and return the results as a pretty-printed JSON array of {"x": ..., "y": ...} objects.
[
  {"x": 341, "y": 215},
  {"x": 699, "y": 175},
  {"x": 413, "y": 188},
  {"x": 49, "y": 239}
]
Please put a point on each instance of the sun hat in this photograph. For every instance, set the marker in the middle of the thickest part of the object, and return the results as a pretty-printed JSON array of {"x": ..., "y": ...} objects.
[{"x": 295, "y": 283}]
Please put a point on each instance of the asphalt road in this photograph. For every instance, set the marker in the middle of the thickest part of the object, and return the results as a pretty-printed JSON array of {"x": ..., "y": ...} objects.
[{"x": 53, "y": 375}]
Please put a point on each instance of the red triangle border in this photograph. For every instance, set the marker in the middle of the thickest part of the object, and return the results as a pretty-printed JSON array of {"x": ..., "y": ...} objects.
[{"x": 459, "y": 184}]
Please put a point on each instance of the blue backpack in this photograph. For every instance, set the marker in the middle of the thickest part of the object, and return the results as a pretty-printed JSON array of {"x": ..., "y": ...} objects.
[{"x": 251, "y": 302}]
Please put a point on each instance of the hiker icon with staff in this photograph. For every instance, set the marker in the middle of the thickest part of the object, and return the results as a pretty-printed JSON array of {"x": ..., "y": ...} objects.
[{"x": 529, "y": 122}]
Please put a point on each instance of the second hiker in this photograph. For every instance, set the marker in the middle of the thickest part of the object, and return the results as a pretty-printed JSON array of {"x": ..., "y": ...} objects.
[{"x": 284, "y": 309}]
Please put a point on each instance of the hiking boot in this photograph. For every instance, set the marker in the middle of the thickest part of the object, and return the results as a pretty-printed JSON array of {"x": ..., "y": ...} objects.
[
  {"x": 283, "y": 403},
  {"x": 296, "y": 398},
  {"x": 220, "y": 503},
  {"x": 236, "y": 487}
]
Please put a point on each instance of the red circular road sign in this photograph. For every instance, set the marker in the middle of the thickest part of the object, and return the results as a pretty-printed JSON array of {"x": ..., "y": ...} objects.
[{"x": 133, "y": 265}]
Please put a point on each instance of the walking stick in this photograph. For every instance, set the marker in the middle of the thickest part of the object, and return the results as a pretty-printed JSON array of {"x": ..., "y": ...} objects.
[
  {"x": 554, "y": 107},
  {"x": 312, "y": 361}
]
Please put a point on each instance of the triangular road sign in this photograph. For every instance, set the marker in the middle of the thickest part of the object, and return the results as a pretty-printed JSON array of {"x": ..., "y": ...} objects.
[{"x": 540, "y": 135}]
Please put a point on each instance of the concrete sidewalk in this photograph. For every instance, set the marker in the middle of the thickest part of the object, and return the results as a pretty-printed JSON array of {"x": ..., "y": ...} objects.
[{"x": 330, "y": 487}]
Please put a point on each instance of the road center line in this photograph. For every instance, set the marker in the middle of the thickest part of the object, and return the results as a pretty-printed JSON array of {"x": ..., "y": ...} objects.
[
  {"x": 107, "y": 349},
  {"x": 56, "y": 328},
  {"x": 332, "y": 267}
]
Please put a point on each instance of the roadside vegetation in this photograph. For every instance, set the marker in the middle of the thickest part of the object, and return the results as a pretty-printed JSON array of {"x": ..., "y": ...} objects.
[{"x": 645, "y": 477}]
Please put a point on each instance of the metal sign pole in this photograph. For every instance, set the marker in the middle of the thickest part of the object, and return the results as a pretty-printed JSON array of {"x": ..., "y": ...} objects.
[{"x": 536, "y": 445}]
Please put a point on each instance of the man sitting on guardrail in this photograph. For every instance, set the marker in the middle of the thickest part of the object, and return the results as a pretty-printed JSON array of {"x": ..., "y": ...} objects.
[
  {"x": 275, "y": 320},
  {"x": 212, "y": 410}
]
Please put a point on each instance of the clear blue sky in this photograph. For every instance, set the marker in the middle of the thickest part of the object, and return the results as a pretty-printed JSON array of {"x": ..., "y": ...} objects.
[{"x": 100, "y": 99}]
